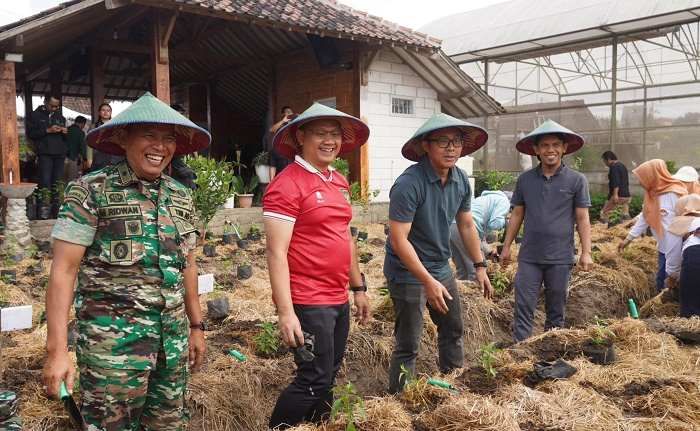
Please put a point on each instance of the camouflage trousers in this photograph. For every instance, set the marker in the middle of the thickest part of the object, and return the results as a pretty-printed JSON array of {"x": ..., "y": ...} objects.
[{"x": 133, "y": 400}]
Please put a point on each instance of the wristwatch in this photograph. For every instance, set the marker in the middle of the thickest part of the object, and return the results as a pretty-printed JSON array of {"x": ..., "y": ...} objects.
[
  {"x": 362, "y": 288},
  {"x": 481, "y": 264},
  {"x": 201, "y": 326}
]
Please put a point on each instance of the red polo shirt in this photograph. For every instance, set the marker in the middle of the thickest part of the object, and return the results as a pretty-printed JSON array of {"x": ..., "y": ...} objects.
[{"x": 319, "y": 251}]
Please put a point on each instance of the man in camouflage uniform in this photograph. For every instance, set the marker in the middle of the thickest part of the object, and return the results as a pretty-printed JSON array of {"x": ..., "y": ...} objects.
[
  {"x": 128, "y": 232},
  {"x": 9, "y": 420}
]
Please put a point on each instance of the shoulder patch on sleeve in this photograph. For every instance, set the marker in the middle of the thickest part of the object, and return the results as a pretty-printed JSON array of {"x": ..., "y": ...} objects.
[{"x": 76, "y": 193}]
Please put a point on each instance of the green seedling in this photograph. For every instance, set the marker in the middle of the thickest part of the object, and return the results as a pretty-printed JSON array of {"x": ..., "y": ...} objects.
[
  {"x": 601, "y": 334},
  {"x": 348, "y": 401},
  {"x": 267, "y": 341},
  {"x": 487, "y": 356},
  {"x": 500, "y": 282},
  {"x": 383, "y": 291}
]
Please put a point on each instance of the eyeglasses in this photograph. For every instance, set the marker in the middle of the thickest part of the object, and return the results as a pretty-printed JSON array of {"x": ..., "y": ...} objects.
[{"x": 444, "y": 142}]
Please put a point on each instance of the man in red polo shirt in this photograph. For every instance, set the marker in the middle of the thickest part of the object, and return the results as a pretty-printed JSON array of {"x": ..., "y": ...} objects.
[{"x": 311, "y": 256}]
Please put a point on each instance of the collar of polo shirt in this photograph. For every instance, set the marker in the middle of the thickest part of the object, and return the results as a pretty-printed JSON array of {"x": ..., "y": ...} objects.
[{"x": 309, "y": 167}]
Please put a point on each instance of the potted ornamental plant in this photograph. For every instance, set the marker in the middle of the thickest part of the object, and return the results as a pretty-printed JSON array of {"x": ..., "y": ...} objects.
[
  {"x": 231, "y": 233},
  {"x": 214, "y": 180},
  {"x": 262, "y": 166},
  {"x": 244, "y": 190},
  {"x": 600, "y": 348},
  {"x": 218, "y": 307},
  {"x": 245, "y": 269}
]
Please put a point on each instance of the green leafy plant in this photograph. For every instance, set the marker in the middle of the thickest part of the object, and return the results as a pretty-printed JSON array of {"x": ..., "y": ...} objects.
[
  {"x": 615, "y": 216},
  {"x": 267, "y": 341},
  {"x": 349, "y": 403},
  {"x": 499, "y": 281},
  {"x": 213, "y": 180},
  {"x": 636, "y": 205},
  {"x": 262, "y": 158},
  {"x": 342, "y": 166},
  {"x": 601, "y": 334},
  {"x": 597, "y": 202},
  {"x": 240, "y": 187},
  {"x": 59, "y": 189},
  {"x": 358, "y": 196},
  {"x": 487, "y": 357},
  {"x": 44, "y": 194},
  {"x": 577, "y": 163},
  {"x": 492, "y": 180},
  {"x": 254, "y": 231}
]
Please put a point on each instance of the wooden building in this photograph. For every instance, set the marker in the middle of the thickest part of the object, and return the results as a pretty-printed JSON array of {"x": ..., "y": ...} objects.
[{"x": 233, "y": 64}]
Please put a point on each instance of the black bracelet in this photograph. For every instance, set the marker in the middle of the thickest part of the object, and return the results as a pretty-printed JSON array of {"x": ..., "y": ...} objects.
[
  {"x": 362, "y": 288},
  {"x": 481, "y": 264}
]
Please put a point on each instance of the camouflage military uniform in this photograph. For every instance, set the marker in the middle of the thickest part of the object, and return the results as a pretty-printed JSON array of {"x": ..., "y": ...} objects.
[
  {"x": 133, "y": 331},
  {"x": 9, "y": 421}
]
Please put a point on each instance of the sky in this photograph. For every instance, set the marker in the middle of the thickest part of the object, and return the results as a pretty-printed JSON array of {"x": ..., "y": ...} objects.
[{"x": 410, "y": 13}]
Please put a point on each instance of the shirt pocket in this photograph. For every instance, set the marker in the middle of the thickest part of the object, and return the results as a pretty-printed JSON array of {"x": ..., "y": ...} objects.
[{"x": 123, "y": 251}]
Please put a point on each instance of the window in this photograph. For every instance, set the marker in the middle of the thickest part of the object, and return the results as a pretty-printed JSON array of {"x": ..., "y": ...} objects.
[{"x": 401, "y": 106}]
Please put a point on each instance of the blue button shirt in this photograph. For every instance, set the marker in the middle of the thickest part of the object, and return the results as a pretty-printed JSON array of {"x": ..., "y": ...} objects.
[
  {"x": 419, "y": 197},
  {"x": 550, "y": 214}
]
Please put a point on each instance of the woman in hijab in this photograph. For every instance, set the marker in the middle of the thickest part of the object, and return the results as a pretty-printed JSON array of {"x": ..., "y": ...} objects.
[
  {"x": 489, "y": 212},
  {"x": 661, "y": 193},
  {"x": 100, "y": 159},
  {"x": 686, "y": 227}
]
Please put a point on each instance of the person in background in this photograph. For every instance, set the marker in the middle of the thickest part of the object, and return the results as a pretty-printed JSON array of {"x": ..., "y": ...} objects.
[
  {"x": 689, "y": 177},
  {"x": 47, "y": 129},
  {"x": 553, "y": 200},
  {"x": 618, "y": 188},
  {"x": 277, "y": 161},
  {"x": 423, "y": 201},
  {"x": 99, "y": 158},
  {"x": 661, "y": 193},
  {"x": 312, "y": 258},
  {"x": 686, "y": 226},
  {"x": 77, "y": 150},
  {"x": 489, "y": 212}
]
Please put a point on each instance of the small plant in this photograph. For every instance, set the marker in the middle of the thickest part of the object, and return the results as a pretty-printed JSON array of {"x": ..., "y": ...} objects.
[
  {"x": 492, "y": 180},
  {"x": 671, "y": 166},
  {"x": 349, "y": 403},
  {"x": 499, "y": 281},
  {"x": 267, "y": 341},
  {"x": 44, "y": 195},
  {"x": 358, "y": 196},
  {"x": 240, "y": 187},
  {"x": 262, "y": 158},
  {"x": 341, "y": 165},
  {"x": 59, "y": 189},
  {"x": 487, "y": 356},
  {"x": 601, "y": 334},
  {"x": 213, "y": 180},
  {"x": 577, "y": 164},
  {"x": 615, "y": 216},
  {"x": 228, "y": 227}
]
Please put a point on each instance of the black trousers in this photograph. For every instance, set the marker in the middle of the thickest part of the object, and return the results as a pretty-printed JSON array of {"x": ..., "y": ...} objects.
[
  {"x": 50, "y": 171},
  {"x": 309, "y": 397},
  {"x": 689, "y": 294}
]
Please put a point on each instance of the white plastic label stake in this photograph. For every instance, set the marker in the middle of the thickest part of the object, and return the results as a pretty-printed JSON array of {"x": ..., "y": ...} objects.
[
  {"x": 15, "y": 318},
  {"x": 205, "y": 283}
]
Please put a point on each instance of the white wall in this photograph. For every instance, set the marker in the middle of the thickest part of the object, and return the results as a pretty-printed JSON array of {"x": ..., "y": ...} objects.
[{"x": 389, "y": 76}]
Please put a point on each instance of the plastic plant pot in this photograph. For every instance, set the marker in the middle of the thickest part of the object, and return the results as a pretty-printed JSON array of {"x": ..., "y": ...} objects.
[
  {"x": 209, "y": 250},
  {"x": 245, "y": 200},
  {"x": 600, "y": 353},
  {"x": 218, "y": 309},
  {"x": 365, "y": 257},
  {"x": 44, "y": 246},
  {"x": 362, "y": 235},
  {"x": 386, "y": 229},
  {"x": 353, "y": 231},
  {"x": 44, "y": 212},
  {"x": 244, "y": 272},
  {"x": 243, "y": 244},
  {"x": 229, "y": 238},
  {"x": 254, "y": 236}
]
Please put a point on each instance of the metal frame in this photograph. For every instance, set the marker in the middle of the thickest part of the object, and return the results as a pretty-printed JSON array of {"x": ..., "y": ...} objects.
[{"x": 605, "y": 69}]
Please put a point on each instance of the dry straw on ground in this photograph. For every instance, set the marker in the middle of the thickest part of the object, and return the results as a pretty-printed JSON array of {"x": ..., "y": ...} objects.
[{"x": 469, "y": 412}]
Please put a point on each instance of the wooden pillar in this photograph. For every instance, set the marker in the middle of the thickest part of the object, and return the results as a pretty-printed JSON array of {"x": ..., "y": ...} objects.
[
  {"x": 162, "y": 27},
  {"x": 8, "y": 118},
  {"x": 97, "y": 83},
  {"x": 28, "y": 103}
]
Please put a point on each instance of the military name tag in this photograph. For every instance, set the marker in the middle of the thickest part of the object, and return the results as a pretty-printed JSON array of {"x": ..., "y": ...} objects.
[
  {"x": 76, "y": 193},
  {"x": 184, "y": 227},
  {"x": 120, "y": 251},
  {"x": 119, "y": 211},
  {"x": 180, "y": 202},
  {"x": 179, "y": 212}
]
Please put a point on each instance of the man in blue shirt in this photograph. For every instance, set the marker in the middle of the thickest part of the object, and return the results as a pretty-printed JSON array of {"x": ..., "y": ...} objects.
[
  {"x": 552, "y": 199},
  {"x": 424, "y": 201}
]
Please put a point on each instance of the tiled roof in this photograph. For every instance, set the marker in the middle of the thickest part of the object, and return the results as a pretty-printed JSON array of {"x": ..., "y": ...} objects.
[{"x": 325, "y": 17}]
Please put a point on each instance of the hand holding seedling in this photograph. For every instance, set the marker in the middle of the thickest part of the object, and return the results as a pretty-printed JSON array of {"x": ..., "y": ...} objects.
[
  {"x": 585, "y": 261},
  {"x": 290, "y": 328},
  {"x": 623, "y": 245},
  {"x": 505, "y": 256},
  {"x": 483, "y": 279},
  {"x": 58, "y": 368},
  {"x": 436, "y": 293}
]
